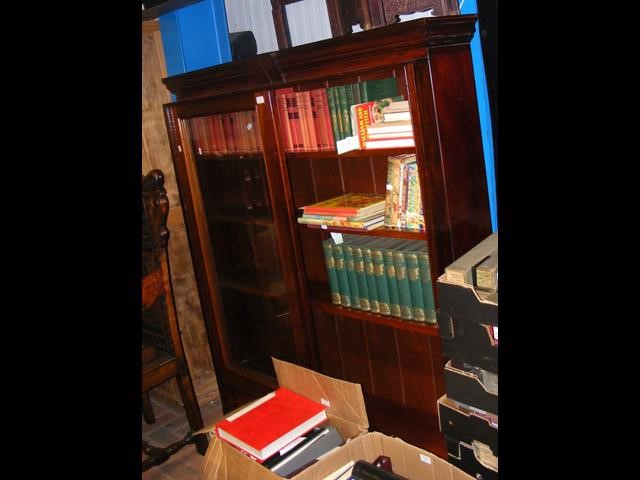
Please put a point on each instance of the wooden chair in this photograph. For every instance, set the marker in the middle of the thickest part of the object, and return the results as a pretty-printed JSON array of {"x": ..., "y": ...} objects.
[{"x": 162, "y": 349}]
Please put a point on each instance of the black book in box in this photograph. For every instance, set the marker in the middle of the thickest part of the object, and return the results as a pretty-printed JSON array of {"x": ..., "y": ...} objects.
[
  {"x": 471, "y": 342},
  {"x": 471, "y": 385}
]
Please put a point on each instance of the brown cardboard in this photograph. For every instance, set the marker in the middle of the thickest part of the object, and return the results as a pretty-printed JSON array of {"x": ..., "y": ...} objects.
[{"x": 347, "y": 413}]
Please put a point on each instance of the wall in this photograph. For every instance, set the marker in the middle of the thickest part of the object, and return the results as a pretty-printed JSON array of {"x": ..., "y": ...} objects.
[{"x": 156, "y": 154}]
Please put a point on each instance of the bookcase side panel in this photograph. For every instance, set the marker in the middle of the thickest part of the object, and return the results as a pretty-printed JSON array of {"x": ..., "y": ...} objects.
[
  {"x": 385, "y": 364},
  {"x": 464, "y": 176}
]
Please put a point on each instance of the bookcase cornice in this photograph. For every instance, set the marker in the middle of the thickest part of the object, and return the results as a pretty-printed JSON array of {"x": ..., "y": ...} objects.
[{"x": 401, "y": 43}]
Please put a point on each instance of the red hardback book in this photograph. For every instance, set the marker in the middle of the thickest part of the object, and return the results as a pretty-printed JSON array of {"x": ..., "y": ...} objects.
[{"x": 270, "y": 423}]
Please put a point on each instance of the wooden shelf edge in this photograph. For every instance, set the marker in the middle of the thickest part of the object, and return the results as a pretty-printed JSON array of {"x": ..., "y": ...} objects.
[
  {"x": 376, "y": 232},
  {"x": 409, "y": 325},
  {"x": 352, "y": 153}
]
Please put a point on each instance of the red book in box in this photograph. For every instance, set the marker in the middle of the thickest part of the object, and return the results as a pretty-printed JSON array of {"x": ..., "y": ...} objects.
[{"x": 270, "y": 423}]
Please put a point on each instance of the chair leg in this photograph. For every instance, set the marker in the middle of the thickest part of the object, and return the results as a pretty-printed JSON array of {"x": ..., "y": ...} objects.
[
  {"x": 147, "y": 409},
  {"x": 194, "y": 416}
]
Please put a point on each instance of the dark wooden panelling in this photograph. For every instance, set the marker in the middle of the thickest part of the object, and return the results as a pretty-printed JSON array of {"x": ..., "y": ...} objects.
[
  {"x": 355, "y": 357},
  {"x": 330, "y": 361},
  {"x": 300, "y": 175},
  {"x": 357, "y": 175},
  {"x": 418, "y": 372},
  {"x": 465, "y": 180},
  {"x": 383, "y": 358},
  {"x": 326, "y": 175}
]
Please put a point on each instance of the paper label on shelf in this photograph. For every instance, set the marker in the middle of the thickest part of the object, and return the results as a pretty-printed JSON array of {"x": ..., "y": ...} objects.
[
  {"x": 259, "y": 99},
  {"x": 337, "y": 237},
  {"x": 425, "y": 458}
]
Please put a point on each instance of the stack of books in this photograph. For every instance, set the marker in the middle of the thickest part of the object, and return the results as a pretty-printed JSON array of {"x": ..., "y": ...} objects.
[
  {"x": 403, "y": 204},
  {"x": 352, "y": 211},
  {"x": 281, "y": 430},
  {"x": 394, "y": 130}
]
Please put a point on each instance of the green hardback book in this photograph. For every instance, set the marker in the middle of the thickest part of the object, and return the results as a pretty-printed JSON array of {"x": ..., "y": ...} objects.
[
  {"x": 415, "y": 286},
  {"x": 356, "y": 243},
  {"x": 392, "y": 282},
  {"x": 341, "y": 273},
  {"x": 371, "y": 277},
  {"x": 351, "y": 275},
  {"x": 331, "y": 271},
  {"x": 427, "y": 285},
  {"x": 382, "y": 284},
  {"x": 343, "y": 111},
  {"x": 333, "y": 111},
  {"x": 378, "y": 89},
  {"x": 402, "y": 282}
]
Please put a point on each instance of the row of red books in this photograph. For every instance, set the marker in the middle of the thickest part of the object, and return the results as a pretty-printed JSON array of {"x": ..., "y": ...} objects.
[{"x": 235, "y": 132}]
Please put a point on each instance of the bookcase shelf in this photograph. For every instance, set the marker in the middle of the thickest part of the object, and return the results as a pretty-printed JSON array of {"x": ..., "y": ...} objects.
[
  {"x": 376, "y": 232},
  {"x": 397, "y": 362},
  {"x": 381, "y": 152}
]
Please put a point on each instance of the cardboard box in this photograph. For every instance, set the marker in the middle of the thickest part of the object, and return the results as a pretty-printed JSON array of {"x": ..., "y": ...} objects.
[{"x": 346, "y": 412}]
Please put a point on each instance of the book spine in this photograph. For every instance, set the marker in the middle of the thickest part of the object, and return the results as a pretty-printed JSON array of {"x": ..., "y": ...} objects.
[
  {"x": 351, "y": 276},
  {"x": 332, "y": 95},
  {"x": 331, "y": 271},
  {"x": 414, "y": 216},
  {"x": 284, "y": 121},
  {"x": 404, "y": 294},
  {"x": 361, "y": 276},
  {"x": 427, "y": 287},
  {"x": 390, "y": 273},
  {"x": 341, "y": 273},
  {"x": 306, "y": 127},
  {"x": 389, "y": 194},
  {"x": 293, "y": 114},
  {"x": 382, "y": 285},
  {"x": 415, "y": 287},
  {"x": 370, "y": 275},
  {"x": 343, "y": 112},
  {"x": 325, "y": 114}
]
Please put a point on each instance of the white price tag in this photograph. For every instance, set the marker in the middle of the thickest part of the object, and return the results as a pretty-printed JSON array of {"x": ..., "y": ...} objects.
[
  {"x": 337, "y": 238},
  {"x": 325, "y": 402},
  {"x": 425, "y": 458},
  {"x": 259, "y": 99},
  {"x": 495, "y": 333}
]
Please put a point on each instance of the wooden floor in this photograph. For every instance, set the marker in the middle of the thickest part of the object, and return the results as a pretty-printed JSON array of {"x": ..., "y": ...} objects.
[{"x": 171, "y": 426}]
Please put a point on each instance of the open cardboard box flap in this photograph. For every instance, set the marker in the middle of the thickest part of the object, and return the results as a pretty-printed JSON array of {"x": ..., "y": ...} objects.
[{"x": 346, "y": 410}]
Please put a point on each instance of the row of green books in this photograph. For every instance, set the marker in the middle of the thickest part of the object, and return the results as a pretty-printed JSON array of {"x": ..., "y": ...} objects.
[{"x": 389, "y": 276}]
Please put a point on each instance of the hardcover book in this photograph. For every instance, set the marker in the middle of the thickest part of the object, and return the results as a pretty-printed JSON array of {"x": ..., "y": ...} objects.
[
  {"x": 350, "y": 204},
  {"x": 271, "y": 423}
]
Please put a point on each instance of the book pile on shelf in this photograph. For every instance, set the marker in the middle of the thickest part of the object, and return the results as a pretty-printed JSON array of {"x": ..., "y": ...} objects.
[
  {"x": 380, "y": 275},
  {"x": 351, "y": 211},
  {"x": 403, "y": 201},
  {"x": 468, "y": 321},
  {"x": 284, "y": 431},
  {"x": 234, "y": 132},
  {"x": 364, "y": 115}
]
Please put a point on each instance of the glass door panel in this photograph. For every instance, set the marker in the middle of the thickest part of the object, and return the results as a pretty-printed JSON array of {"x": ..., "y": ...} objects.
[{"x": 233, "y": 182}]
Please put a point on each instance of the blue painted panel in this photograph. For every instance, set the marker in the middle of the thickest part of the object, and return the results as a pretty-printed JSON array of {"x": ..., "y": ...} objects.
[
  {"x": 195, "y": 37},
  {"x": 171, "y": 43},
  {"x": 471, "y": 7}
]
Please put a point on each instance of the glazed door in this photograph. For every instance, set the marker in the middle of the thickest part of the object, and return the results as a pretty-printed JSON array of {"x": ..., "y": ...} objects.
[{"x": 239, "y": 229}]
